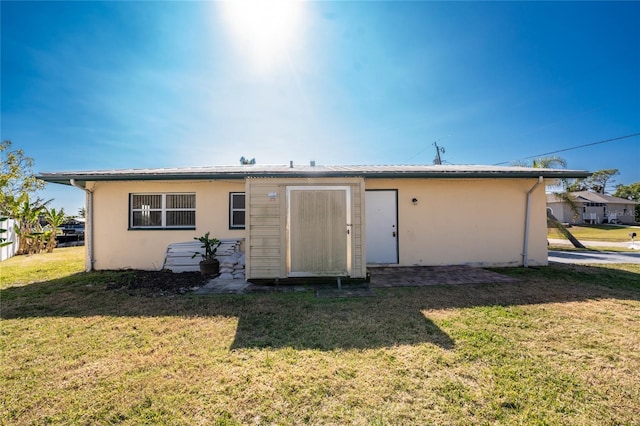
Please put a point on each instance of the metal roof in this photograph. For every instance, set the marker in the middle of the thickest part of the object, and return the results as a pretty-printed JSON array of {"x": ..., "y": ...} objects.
[
  {"x": 308, "y": 171},
  {"x": 592, "y": 197}
]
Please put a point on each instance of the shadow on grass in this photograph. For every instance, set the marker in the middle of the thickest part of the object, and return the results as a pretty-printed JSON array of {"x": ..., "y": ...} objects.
[
  {"x": 395, "y": 317},
  {"x": 306, "y": 324}
]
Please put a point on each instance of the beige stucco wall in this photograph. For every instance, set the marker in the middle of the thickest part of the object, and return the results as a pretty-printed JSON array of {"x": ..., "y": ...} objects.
[
  {"x": 467, "y": 221},
  {"x": 471, "y": 221},
  {"x": 117, "y": 247}
]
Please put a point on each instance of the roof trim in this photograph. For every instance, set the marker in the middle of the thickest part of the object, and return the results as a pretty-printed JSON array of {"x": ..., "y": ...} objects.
[{"x": 367, "y": 172}]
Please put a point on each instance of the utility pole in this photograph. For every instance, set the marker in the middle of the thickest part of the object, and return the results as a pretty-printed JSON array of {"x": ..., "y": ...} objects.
[{"x": 439, "y": 150}]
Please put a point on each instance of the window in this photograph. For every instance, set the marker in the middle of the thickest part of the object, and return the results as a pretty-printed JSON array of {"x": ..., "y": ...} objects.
[
  {"x": 162, "y": 211},
  {"x": 236, "y": 210}
]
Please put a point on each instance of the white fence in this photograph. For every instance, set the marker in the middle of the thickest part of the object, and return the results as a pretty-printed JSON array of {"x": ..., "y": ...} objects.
[{"x": 10, "y": 235}]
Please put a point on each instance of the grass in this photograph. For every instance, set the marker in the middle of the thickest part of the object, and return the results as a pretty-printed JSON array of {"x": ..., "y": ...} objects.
[
  {"x": 41, "y": 267},
  {"x": 611, "y": 233},
  {"x": 559, "y": 346}
]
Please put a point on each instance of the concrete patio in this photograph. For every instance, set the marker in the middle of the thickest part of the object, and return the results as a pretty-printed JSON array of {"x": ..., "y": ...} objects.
[{"x": 381, "y": 277}]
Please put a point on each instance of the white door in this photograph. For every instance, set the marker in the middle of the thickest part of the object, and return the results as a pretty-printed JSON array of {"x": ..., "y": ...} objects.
[
  {"x": 382, "y": 226},
  {"x": 318, "y": 231}
]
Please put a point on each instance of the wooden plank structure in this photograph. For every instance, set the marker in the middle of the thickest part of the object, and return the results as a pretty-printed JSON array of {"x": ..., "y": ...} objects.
[
  {"x": 178, "y": 257},
  {"x": 305, "y": 227}
]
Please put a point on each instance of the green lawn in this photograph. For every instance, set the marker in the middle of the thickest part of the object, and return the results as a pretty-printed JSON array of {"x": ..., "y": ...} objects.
[
  {"x": 598, "y": 233},
  {"x": 559, "y": 346},
  {"x": 41, "y": 267}
]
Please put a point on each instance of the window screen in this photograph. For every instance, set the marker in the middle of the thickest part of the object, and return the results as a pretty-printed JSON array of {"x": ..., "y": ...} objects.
[
  {"x": 163, "y": 211},
  {"x": 237, "y": 210}
]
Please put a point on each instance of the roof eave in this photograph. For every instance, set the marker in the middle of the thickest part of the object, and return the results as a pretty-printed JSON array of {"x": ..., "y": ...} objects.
[{"x": 65, "y": 178}]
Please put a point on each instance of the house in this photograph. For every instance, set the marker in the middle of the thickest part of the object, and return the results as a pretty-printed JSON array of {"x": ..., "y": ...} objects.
[
  {"x": 319, "y": 220},
  {"x": 593, "y": 208}
]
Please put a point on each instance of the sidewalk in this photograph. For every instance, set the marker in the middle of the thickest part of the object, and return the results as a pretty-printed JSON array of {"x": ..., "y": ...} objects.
[
  {"x": 625, "y": 244},
  {"x": 593, "y": 257}
]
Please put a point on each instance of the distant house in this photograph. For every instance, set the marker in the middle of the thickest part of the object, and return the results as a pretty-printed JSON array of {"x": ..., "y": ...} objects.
[
  {"x": 593, "y": 208},
  {"x": 319, "y": 220}
]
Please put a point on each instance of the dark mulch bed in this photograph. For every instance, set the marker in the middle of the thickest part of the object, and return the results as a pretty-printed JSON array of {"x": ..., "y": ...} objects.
[{"x": 159, "y": 281}]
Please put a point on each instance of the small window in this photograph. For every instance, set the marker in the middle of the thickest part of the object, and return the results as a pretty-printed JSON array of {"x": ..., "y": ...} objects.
[
  {"x": 236, "y": 210},
  {"x": 162, "y": 211}
]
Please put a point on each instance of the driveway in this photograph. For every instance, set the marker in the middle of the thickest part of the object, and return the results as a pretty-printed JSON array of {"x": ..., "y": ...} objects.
[{"x": 593, "y": 257}]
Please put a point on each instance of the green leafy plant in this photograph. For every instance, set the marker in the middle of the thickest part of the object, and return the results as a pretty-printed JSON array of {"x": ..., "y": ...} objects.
[
  {"x": 55, "y": 219},
  {"x": 210, "y": 246},
  {"x": 28, "y": 228}
]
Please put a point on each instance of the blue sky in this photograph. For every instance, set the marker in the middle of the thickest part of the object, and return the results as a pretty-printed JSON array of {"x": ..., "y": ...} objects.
[{"x": 139, "y": 84}]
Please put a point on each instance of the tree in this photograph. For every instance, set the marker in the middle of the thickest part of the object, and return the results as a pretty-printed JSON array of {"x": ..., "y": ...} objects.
[
  {"x": 597, "y": 182},
  {"x": 578, "y": 185},
  {"x": 564, "y": 195},
  {"x": 82, "y": 212},
  {"x": 553, "y": 162},
  {"x": 247, "y": 162},
  {"x": 543, "y": 163},
  {"x": 630, "y": 192},
  {"x": 54, "y": 219},
  {"x": 549, "y": 162},
  {"x": 30, "y": 233},
  {"x": 553, "y": 222},
  {"x": 17, "y": 186},
  {"x": 16, "y": 178}
]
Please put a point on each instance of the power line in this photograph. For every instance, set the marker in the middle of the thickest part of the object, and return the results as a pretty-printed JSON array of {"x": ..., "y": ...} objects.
[{"x": 573, "y": 147}]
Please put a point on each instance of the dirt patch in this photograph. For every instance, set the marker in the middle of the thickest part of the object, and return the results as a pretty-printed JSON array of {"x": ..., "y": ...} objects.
[{"x": 162, "y": 282}]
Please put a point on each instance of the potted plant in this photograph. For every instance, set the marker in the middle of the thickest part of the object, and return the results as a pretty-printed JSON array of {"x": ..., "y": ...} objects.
[{"x": 209, "y": 265}]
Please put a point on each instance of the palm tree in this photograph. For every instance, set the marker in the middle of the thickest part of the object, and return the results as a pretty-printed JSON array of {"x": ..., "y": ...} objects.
[
  {"x": 552, "y": 222},
  {"x": 564, "y": 195},
  {"x": 549, "y": 162},
  {"x": 28, "y": 228},
  {"x": 54, "y": 219}
]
